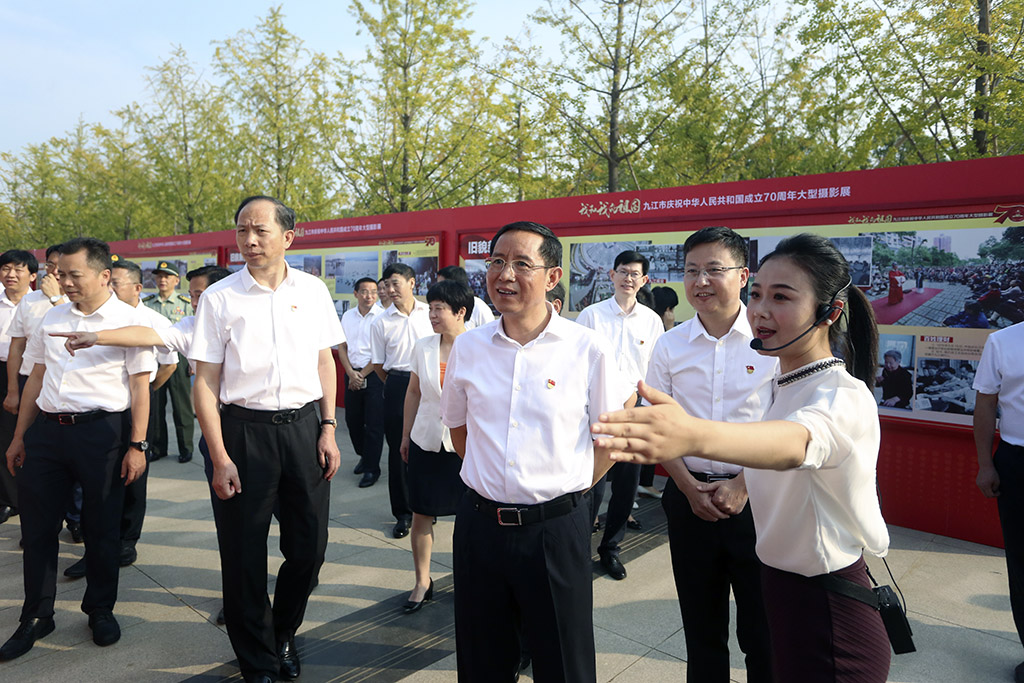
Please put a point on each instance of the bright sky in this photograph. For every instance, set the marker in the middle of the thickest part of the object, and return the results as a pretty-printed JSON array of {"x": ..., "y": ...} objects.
[{"x": 65, "y": 59}]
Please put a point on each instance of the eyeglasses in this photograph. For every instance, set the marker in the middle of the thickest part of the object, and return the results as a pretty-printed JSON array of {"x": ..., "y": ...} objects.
[
  {"x": 497, "y": 265},
  {"x": 629, "y": 275},
  {"x": 710, "y": 273}
]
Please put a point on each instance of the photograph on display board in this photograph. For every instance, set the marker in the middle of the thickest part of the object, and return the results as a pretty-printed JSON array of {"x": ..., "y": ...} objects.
[
  {"x": 857, "y": 252},
  {"x": 347, "y": 268},
  {"x": 589, "y": 265},
  {"x": 307, "y": 263},
  {"x": 666, "y": 262},
  {"x": 968, "y": 278},
  {"x": 476, "y": 271},
  {"x": 946, "y": 385},
  {"x": 425, "y": 267},
  {"x": 894, "y": 385}
]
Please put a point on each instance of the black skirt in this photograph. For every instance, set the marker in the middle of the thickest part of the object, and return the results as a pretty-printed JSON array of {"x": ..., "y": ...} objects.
[{"x": 435, "y": 487}]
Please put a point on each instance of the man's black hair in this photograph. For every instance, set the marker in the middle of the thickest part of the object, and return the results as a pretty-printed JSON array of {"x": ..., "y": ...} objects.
[
  {"x": 20, "y": 257},
  {"x": 664, "y": 299},
  {"x": 454, "y": 294},
  {"x": 399, "y": 269},
  {"x": 211, "y": 273},
  {"x": 630, "y": 256},
  {"x": 362, "y": 280},
  {"x": 284, "y": 215},
  {"x": 52, "y": 248},
  {"x": 131, "y": 267},
  {"x": 556, "y": 292},
  {"x": 97, "y": 252},
  {"x": 550, "y": 248},
  {"x": 721, "y": 235},
  {"x": 457, "y": 273}
]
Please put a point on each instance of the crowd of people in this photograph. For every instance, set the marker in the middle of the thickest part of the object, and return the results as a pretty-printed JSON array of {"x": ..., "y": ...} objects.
[{"x": 770, "y": 440}]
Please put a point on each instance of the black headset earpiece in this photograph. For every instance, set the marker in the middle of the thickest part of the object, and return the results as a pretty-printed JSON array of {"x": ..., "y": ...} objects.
[{"x": 823, "y": 312}]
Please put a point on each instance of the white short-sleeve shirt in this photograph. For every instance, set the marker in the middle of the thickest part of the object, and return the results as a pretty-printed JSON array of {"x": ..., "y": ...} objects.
[
  {"x": 95, "y": 378},
  {"x": 713, "y": 379},
  {"x": 267, "y": 341},
  {"x": 394, "y": 334},
  {"x": 178, "y": 337},
  {"x": 357, "y": 334},
  {"x": 632, "y": 335},
  {"x": 164, "y": 355},
  {"x": 528, "y": 408},
  {"x": 27, "y": 317},
  {"x": 1002, "y": 372},
  {"x": 481, "y": 314},
  {"x": 824, "y": 515},
  {"x": 7, "y": 311}
]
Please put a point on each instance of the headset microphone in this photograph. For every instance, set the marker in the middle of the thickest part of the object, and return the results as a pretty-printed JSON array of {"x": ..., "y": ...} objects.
[{"x": 823, "y": 312}]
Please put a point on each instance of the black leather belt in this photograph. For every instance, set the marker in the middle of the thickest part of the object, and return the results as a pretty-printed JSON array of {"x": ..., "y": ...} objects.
[
  {"x": 277, "y": 417},
  {"x": 508, "y": 514},
  {"x": 399, "y": 373},
  {"x": 706, "y": 478},
  {"x": 75, "y": 418}
]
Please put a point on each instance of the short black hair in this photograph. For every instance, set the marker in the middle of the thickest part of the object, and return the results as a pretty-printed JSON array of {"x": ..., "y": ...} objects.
[
  {"x": 457, "y": 273},
  {"x": 664, "y": 299},
  {"x": 556, "y": 292},
  {"x": 52, "y": 248},
  {"x": 550, "y": 248},
  {"x": 453, "y": 293},
  {"x": 402, "y": 269},
  {"x": 20, "y": 257},
  {"x": 360, "y": 281},
  {"x": 722, "y": 235},
  {"x": 97, "y": 252},
  {"x": 630, "y": 256},
  {"x": 284, "y": 215},
  {"x": 211, "y": 273},
  {"x": 131, "y": 267}
]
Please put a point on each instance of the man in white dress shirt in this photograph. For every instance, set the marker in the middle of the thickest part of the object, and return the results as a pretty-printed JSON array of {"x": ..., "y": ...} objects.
[
  {"x": 1000, "y": 386},
  {"x": 17, "y": 273},
  {"x": 519, "y": 397},
  {"x": 632, "y": 329},
  {"x": 364, "y": 390},
  {"x": 75, "y": 424},
  {"x": 262, "y": 347},
  {"x": 392, "y": 338},
  {"x": 481, "y": 311},
  {"x": 706, "y": 364}
]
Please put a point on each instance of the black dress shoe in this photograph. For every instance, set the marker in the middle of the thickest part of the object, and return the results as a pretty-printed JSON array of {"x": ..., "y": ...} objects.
[
  {"x": 368, "y": 480},
  {"x": 1018, "y": 673},
  {"x": 5, "y": 513},
  {"x": 614, "y": 568},
  {"x": 401, "y": 529},
  {"x": 76, "y": 531},
  {"x": 259, "y": 678},
  {"x": 77, "y": 570},
  {"x": 128, "y": 555},
  {"x": 105, "y": 630},
  {"x": 25, "y": 637},
  {"x": 289, "y": 656},
  {"x": 184, "y": 457},
  {"x": 153, "y": 457},
  {"x": 410, "y": 606},
  {"x": 634, "y": 524},
  {"x": 360, "y": 468}
]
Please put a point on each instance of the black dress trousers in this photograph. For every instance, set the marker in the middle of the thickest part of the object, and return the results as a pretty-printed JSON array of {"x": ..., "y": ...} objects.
[
  {"x": 56, "y": 457},
  {"x": 394, "y": 411},
  {"x": 276, "y": 463},
  {"x": 535, "y": 579},
  {"x": 364, "y": 417},
  {"x": 707, "y": 559},
  {"x": 1009, "y": 464}
]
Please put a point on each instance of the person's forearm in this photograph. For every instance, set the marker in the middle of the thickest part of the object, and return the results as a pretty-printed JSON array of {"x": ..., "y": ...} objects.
[
  {"x": 984, "y": 427},
  {"x": 138, "y": 384},
  {"x": 163, "y": 373},
  {"x": 328, "y": 384},
  {"x": 205, "y": 395},
  {"x": 772, "y": 445},
  {"x": 344, "y": 359},
  {"x": 131, "y": 336},
  {"x": 458, "y": 435},
  {"x": 379, "y": 369},
  {"x": 411, "y": 405},
  {"x": 679, "y": 473},
  {"x": 14, "y": 357},
  {"x": 28, "y": 410}
]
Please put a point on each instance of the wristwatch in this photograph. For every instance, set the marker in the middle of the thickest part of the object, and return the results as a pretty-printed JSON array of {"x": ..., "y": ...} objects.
[
  {"x": 329, "y": 421},
  {"x": 139, "y": 445},
  {"x": 55, "y": 299}
]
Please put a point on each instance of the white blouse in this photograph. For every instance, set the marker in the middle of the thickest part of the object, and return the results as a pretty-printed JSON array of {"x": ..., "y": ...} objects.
[{"x": 823, "y": 515}]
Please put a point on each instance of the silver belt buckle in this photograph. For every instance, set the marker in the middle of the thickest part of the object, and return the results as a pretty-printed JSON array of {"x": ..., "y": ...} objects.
[
  {"x": 518, "y": 518},
  {"x": 719, "y": 477}
]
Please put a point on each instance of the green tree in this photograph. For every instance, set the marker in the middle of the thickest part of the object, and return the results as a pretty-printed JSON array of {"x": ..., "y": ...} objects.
[{"x": 127, "y": 199}]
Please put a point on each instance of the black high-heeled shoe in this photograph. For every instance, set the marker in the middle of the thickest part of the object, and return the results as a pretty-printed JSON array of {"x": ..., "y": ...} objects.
[{"x": 410, "y": 606}]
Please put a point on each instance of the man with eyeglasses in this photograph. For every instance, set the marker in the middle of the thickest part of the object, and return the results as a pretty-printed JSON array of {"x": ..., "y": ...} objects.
[
  {"x": 707, "y": 365},
  {"x": 632, "y": 329},
  {"x": 518, "y": 398}
]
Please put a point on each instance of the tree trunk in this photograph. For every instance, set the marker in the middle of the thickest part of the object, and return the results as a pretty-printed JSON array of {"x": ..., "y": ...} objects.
[
  {"x": 981, "y": 84},
  {"x": 613, "y": 105}
]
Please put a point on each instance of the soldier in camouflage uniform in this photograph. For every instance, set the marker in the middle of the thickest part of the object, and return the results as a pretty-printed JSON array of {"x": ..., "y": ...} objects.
[{"x": 173, "y": 306}]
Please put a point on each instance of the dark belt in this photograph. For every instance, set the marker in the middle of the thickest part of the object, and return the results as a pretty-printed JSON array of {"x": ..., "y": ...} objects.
[
  {"x": 277, "y": 417},
  {"x": 399, "y": 373},
  {"x": 75, "y": 418},
  {"x": 707, "y": 478},
  {"x": 508, "y": 514}
]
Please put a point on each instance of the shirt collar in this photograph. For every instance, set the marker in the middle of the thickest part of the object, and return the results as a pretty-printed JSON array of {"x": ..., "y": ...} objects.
[
  {"x": 393, "y": 310},
  {"x": 248, "y": 281},
  {"x": 103, "y": 311},
  {"x": 556, "y": 327},
  {"x": 740, "y": 326},
  {"x": 5, "y": 301},
  {"x": 616, "y": 310}
]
